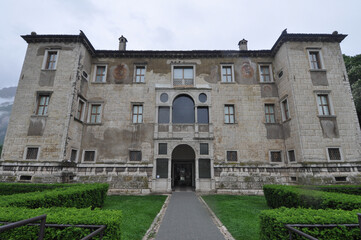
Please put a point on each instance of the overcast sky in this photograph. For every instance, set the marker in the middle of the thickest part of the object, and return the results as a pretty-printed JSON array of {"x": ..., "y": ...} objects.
[{"x": 171, "y": 25}]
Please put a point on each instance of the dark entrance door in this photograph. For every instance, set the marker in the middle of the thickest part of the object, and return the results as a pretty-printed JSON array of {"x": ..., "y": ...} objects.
[{"x": 183, "y": 174}]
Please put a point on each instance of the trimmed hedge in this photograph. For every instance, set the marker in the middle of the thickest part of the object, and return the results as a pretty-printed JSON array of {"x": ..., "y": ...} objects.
[
  {"x": 79, "y": 196},
  {"x": 291, "y": 196},
  {"x": 273, "y": 223},
  {"x": 347, "y": 189},
  {"x": 111, "y": 218},
  {"x": 14, "y": 188}
]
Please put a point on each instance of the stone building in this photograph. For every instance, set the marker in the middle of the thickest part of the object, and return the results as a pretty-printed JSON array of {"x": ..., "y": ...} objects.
[{"x": 150, "y": 121}]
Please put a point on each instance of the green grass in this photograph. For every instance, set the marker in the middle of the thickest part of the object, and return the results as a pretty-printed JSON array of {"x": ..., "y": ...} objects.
[
  {"x": 138, "y": 213},
  {"x": 240, "y": 214}
]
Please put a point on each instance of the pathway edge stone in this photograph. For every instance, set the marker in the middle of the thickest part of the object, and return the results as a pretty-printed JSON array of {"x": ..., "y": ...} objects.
[
  {"x": 154, "y": 227},
  {"x": 227, "y": 235}
]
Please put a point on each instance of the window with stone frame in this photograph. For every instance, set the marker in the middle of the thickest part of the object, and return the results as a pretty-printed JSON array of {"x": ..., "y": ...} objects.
[
  {"x": 137, "y": 113},
  {"x": 100, "y": 73},
  {"x": 80, "y": 111},
  {"x": 269, "y": 110},
  {"x": 42, "y": 104},
  {"x": 51, "y": 58},
  {"x": 323, "y": 104},
  {"x": 135, "y": 155},
  {"x": 204, "y": 167},
  {"x": 315, "y": 59},
  {"x": 183, "y": 76},
  {"x": 89, "y": 156},
  {"x": 95, "y": 113},
  {"x": 231, "y": 156},
  {"x": 74, "y": 155},
  {"x": 203, "y": 149},
  {"x": 202, "y": 115},
  {"x": 334, "y": 154},
  {"x": 265, "y": 73},
  {"x": 139, "y": 74},
  {"x": 32, "y": 153},
  {"x": 162, "y": 148},
  {"x": 229, "y": 114},
  {"x": 285, "y": 110},
  {"x": 276, "y": 156},
  {"x": 163, "y": 115},
  {"x": 162, "y": 168},
  {"x": 227, "y": 74},
  {"x": 291, "y": 156}
]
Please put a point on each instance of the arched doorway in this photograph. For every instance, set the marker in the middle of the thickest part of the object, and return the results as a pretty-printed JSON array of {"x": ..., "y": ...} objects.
[{"x": 183, "y": 167}]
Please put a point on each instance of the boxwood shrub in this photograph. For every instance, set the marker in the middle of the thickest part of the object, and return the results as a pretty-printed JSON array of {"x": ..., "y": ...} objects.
[
  {"x": 79, "y": 196},
  {"x": 292, "y": 196},
  {"x": 14, "y": 188},
  {"x": 111, "y": 218},
  {"x": 273, "y": 223}
]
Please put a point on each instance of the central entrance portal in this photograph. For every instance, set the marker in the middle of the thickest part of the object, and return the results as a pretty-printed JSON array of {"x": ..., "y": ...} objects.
[{"x": 183, "y": 167}]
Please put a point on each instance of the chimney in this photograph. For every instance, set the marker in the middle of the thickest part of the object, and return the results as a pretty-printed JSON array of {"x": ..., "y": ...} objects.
[
  {"x": 122, "y": 43},
  {"x": 243, "y": 45}
]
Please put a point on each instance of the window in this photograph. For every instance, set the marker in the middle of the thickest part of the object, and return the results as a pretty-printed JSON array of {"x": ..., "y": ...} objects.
[
  {"x": 204, "y": 168},
  {"x": 231, "y": 156},
  {"x": 100, "y": 73},
  {"x": 183, "y": 76},
  {"x": 163, "y": 115},
  {"x": 227, "y": 74},
  {"x": 315, "y": 59},
  {"x": 43, "y": 102},
  {"x": 74, "y": 155},
  {"x": 89, "y": 156},
  {"x": 269, "y": 110},
  {"x": 32, "y": 153},
  {"x": 95, "y": 113},
  {"x": 202, "y": 115},
  {"x": 334, "y": 154},
  {"x": 285, "y": 110},
  {"x": 291, "y": 156},
  {"x": 80, "y": 111},
  {"x": 229, "y": 114},
  {"x": 139, "y": 74},
  {"x": 276, "y": 156},
  {"x": 162, "y": 168},
  {"x": 265, "y": 73},
  {"x": 137, "y": 113},
  {"x": 50, "y": 60},
  {"x": 323, "y": 104},
  {"x": 135, "y": 156},
  {"x": 183, "y": 109},
  {"x": 162, "y": 149},
  {"x": 203, "y": 149}
]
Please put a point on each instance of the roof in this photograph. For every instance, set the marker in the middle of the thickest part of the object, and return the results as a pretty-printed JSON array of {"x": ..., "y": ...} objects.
[{"x": 284, "y": 37}]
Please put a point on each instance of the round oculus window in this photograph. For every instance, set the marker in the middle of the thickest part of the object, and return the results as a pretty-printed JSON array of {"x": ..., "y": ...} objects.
[
  {"x": 164, "y": 97},
  {"x": 202, "y": 97}
]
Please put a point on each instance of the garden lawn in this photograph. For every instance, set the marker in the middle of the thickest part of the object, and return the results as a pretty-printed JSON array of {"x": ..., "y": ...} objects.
[
  {"x": 138, "y": 213},
  {"x": 240, "y": 214}
]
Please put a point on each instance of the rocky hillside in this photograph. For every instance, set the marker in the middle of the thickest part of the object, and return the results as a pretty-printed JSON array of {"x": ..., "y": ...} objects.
[{"x": 6, "y": 102}]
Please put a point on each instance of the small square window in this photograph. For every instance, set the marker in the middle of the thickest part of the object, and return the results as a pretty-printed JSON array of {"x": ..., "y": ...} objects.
[
  {"x": 162, "y": 149},
  {"x": 276, "y": 156},
  {"x": 139, "y": 74},
  {"x": 228, "y": 113},
  {"x": 183, "y": 76},
  {"x": 95, "y": 113},
  {"x": 80, "y": 111},
  {"x": 100, "y": 73},
  {"x": 203, "y": 149},
  {"x": 334, "y": 154},
  {"x": 323, "y": 104},
  {"x": 269, "y": 110},
  {"x": 32, "y": 153},
  {"x": 231, "y": 156},
  {"x": 315, "y": 59},
  {"x": 135, "y": 156},
  {"x": 227, "y": 73},
  {"x": 285, "y": 110},
  {"x": 43, "y": 103},
  {"x": 162, "y": 168},
  {"x": 89, "y": 156},
  {"x": 50, "y": 60},
  {"x": 74, "y": 155},
  {"x": 265, "y": 73},
  {"x": 137, "y": 113},
  {"x": 291, "y": 156}
]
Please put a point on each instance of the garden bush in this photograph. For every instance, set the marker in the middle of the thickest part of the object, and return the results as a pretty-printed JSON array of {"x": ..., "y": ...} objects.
[
  {"x": 292, "y": 196},
  {"x": 73, "y": 216},
  {"x": 14, "y": 188},
  {"x": 273, "y": 223},
  {"x": 79, "y": 196}
]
